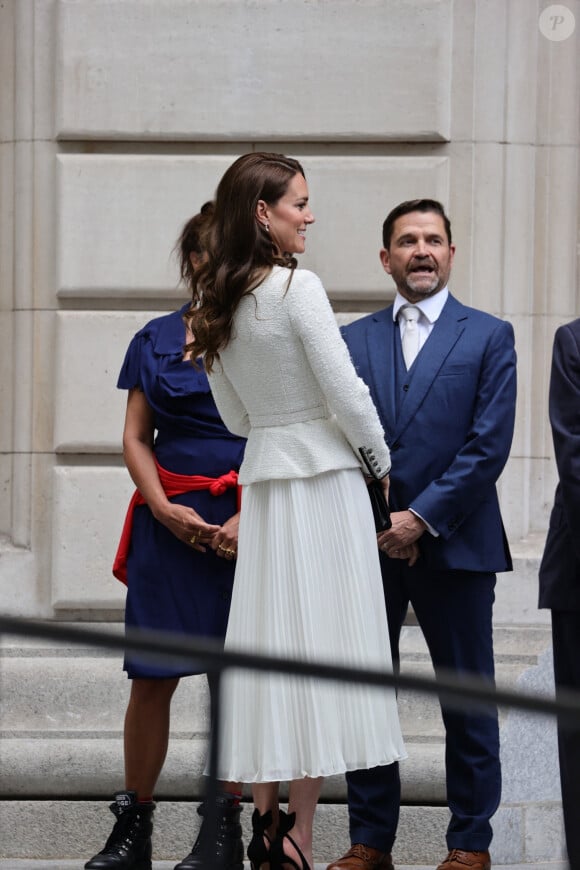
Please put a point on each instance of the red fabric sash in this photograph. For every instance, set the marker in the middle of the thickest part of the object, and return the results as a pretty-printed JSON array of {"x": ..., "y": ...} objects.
[{"x": 173, "y": 484}]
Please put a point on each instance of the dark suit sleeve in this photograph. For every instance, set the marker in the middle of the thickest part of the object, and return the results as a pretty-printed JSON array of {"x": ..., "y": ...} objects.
[
  {"x": 565, "y": 421},
  {"x": 473, "y": 473}
]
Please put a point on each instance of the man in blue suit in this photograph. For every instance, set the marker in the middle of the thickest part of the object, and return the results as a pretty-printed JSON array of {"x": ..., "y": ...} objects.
[
  {"x": 443, "y": 377},
  {"x": 560, "y": 568}
]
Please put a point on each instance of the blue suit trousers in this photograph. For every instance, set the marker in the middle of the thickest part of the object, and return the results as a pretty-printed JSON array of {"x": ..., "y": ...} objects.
[{"x": 454, "y": 610}]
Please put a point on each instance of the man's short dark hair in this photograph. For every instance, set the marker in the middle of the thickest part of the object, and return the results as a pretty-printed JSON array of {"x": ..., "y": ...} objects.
[{"x": 424, "y": 205}]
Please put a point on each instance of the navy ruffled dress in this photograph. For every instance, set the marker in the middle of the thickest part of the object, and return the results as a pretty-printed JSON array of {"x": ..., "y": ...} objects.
[{"x": 172, "y": 587}]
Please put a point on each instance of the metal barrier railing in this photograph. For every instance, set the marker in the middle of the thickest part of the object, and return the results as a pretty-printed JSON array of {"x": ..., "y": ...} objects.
[{"x": 452, "y": 689}]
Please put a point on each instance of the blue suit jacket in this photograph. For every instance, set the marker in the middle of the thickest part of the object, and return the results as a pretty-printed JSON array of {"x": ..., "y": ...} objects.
[
  {"x": 452, "y": 436},
  {"x": 560, "y": 568}
]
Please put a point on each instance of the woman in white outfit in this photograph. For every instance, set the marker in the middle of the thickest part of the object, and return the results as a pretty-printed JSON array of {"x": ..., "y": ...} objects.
[{"x": 307, "y": 582}]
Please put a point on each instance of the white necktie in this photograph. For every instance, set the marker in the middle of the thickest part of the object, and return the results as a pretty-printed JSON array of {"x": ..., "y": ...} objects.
[{"x": 410, "y": 338}]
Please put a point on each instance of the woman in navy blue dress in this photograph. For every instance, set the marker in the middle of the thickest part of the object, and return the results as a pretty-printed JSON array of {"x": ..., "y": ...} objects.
[{"x": 177, "y": 558}]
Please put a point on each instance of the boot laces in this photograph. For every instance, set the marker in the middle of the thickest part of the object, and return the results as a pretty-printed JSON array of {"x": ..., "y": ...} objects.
[
  {"x": 226, "y": 834},
  {"x": 460, "y": 856},
  {"x": 122, "y": 836}
]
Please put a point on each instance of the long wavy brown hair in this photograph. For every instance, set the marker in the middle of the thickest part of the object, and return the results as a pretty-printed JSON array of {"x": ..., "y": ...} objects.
[{"x": 239, "y": 252}]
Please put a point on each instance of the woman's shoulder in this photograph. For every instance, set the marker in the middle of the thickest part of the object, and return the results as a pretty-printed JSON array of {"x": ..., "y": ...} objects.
[
  {"x": 289, "y": 291},
  {"x": 306, "y": 289},
  {"x": 166, "y": 333},
  {"x": 281, "y": 275},
  {"x": 289, "y": 282},
  {"x": 298, "y": 276},
  {"x": 162, "y": 336}
]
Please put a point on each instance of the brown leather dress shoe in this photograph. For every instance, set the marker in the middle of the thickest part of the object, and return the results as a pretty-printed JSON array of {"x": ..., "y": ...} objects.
[
  {"x": 458, "y": 859},
  {"x": 361, "y": 857}
]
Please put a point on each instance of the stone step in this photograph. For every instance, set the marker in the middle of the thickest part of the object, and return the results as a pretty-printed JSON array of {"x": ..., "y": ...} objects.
[
  {"x": 43, "y": 864},
  {"x": 52, "y": 690},
  {"x": 77, "y": 829},
  {"x": 62, "y": 710},
  {"x": 92, "y": 768},
  {"x": 518, "y": 643},
  {"x": 75, "y": 696}
]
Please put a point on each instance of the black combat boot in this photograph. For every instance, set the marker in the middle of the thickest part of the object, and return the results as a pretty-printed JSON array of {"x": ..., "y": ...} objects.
[
  {"x": 226, "y": 849},
  {"x": 129, "y": 845}
]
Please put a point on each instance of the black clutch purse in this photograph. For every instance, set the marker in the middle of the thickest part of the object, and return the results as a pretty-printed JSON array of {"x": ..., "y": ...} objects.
[{"x": 381, "y": 512}]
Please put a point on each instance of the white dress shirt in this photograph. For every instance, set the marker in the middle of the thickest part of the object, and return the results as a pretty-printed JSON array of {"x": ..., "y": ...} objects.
[{"x": 430, "y": 309}]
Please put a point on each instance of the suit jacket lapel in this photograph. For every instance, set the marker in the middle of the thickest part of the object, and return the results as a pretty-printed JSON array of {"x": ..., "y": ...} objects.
[
  {"x": 445, "y": 333},
  {"x": 380, "y": 338}
]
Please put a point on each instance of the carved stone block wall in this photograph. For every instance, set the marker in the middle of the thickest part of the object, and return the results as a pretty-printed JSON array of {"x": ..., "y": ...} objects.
[{"x": 117, "y": 118}]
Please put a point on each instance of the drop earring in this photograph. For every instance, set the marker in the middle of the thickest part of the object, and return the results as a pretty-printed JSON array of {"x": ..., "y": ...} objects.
[{"x": 267, "y": 227}]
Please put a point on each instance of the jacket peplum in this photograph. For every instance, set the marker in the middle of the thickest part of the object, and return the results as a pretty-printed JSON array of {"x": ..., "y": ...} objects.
[{"x": 287, "y": 383}]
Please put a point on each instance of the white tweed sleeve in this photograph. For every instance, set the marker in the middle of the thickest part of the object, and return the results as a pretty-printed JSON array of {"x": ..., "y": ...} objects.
[
  {"x": 231, "y": 408},
  {"x": 346, "y": 394}
]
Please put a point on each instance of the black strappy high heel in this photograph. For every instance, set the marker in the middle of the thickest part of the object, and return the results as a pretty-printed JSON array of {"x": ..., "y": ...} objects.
[
  {"x": 278, "y": 856},
  {"x": 260, "y": 844}
]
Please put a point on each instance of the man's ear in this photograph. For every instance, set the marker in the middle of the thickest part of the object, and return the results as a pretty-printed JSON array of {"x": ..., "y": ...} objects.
[{"x": 385, "y": 260}]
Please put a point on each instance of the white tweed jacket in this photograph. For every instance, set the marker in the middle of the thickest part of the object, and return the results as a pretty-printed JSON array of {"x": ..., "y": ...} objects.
[{"x": 287, "y": 383}]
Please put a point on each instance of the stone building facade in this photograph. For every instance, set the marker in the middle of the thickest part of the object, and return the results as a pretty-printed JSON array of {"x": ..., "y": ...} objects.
[{"x": 118, "y": 117}]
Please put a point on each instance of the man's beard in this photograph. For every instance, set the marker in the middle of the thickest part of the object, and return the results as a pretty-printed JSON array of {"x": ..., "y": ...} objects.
[{"x": 422, "y": 290}]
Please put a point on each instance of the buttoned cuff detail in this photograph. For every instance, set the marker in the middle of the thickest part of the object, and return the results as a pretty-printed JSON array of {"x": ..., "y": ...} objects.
[{"x": 375, "y": 468}]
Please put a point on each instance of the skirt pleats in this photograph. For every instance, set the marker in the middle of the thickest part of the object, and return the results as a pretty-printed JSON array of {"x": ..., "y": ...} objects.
[{"x": 308, "y": 586}]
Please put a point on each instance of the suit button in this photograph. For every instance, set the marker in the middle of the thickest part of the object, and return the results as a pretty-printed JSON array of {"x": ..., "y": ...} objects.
[
  {"x": 405, "y": 387},
  {"x": 395, "y": 446}
]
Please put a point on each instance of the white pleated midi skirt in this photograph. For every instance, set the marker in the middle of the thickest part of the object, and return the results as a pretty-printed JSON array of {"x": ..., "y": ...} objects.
[{"x": 307, "y": 585}]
